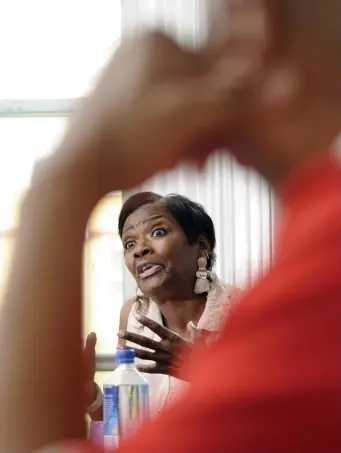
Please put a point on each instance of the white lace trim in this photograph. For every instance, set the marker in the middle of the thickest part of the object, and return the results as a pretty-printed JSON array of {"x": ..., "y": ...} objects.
[
  {"x": 220, "y": 300},
  {"x": 165, "y": 390}
]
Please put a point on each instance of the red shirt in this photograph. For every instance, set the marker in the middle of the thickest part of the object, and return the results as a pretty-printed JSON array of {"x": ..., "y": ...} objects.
[{"x": 272, "y": 383}]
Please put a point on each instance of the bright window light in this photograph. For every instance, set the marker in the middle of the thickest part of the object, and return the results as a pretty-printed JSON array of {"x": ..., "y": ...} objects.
[{"x": 53, "y": 49}]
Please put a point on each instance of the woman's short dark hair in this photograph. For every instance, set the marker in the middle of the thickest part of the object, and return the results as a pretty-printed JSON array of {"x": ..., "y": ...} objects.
[{"x": 191, "y": 216}]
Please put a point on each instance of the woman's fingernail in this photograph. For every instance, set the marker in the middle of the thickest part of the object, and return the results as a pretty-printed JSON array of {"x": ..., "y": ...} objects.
[
  {"x": 138, "y": 318},
  {"x": 120, "y": 334}
]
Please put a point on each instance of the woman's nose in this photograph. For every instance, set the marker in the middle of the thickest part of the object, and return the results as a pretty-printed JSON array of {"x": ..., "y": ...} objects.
[{"x": 141, "y": 252}]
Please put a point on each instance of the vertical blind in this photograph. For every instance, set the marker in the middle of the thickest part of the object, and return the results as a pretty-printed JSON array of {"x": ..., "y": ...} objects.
[{"x": 239, "y": 201}]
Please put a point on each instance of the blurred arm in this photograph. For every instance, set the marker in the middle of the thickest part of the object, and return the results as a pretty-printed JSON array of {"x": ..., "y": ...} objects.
[{"x": 41, "y": 317}]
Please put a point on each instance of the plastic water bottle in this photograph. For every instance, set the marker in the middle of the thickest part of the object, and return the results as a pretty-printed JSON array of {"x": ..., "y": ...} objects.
[{"x": 126, "y": 400}]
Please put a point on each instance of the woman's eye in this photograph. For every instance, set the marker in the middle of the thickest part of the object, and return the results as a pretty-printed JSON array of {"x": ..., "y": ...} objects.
[
  {"x": 128, "y": 245},
  {"x": 159, "y": 232}
]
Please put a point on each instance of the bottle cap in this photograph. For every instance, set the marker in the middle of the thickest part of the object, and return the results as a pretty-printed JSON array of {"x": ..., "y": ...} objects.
[{"x": 125, "y": 356}]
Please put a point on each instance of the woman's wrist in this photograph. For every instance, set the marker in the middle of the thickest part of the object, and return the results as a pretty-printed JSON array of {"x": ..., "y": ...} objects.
[{"x": 64, "y": 175}]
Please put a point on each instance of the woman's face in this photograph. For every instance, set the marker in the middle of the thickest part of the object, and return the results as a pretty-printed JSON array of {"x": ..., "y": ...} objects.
[{"x": 158, "y": 255}]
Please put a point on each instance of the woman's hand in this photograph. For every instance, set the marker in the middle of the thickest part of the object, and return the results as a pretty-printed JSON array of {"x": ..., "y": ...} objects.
[
  {"x": 168, "y": 353},
  {"x": 155, "y": 105}
]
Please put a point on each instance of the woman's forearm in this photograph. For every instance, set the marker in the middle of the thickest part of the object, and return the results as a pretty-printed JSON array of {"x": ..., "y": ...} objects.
[{"x": 41, "y": 377}]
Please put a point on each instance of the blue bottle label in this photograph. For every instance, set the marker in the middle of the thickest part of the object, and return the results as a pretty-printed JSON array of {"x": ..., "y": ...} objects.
[{"x": 126, "y": 407}]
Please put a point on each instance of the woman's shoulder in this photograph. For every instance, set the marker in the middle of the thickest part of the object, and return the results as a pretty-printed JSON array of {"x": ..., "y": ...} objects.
[
  {"x": 125, "y": 312},
  {"x": 127, "y": 307},
  {"x": 134, "y": 307},
  {"x": 124, "y": 317},
  {"x": 230, "y": 291},
  {"x": 223, "y": 292},
  {"x": 220, "y": 301}
]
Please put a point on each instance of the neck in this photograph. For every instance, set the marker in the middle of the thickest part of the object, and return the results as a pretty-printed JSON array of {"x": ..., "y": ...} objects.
[{"x": 178, "y": 313}]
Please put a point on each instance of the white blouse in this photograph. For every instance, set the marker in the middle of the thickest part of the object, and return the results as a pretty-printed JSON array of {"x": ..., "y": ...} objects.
[{"x": 163, "y": 389}]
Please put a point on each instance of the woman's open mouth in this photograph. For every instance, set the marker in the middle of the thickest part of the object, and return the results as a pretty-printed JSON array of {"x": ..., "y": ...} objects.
[{"x": 148, "y": 269}]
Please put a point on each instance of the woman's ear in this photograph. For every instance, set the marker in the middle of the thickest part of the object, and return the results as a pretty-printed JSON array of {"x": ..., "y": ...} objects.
[{"x": 204, "y": 245}]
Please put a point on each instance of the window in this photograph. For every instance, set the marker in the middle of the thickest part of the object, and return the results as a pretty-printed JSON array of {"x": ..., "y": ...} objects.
[
  {"x": 103, "y": 271},
  {"x": 101, "y": 377},
  {"x": 53, "y": 49},
  {"x": 6, "y": 249},
  {"x": 51, "y": 53},
  {"x": 23, "y": 141}
]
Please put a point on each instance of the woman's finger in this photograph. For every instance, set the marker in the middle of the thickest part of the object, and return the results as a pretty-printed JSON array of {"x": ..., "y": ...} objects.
[
  {"x": 150, "y": 369},
  {"x": 161, "y": 331},
  {"x": 91, "y": 340},
  {"x": 158, "y": 357},
  {"x": 153, "y": 369},
  {"x": 89, "y": 358},
  {"x": 140, "y": 340}
]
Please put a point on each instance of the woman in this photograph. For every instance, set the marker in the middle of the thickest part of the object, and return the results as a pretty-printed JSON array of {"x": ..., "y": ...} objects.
[{"x": 169, "y": 247}]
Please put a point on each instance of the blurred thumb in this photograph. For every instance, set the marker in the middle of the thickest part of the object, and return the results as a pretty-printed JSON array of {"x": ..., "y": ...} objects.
[{"x": 91, "y": 340}]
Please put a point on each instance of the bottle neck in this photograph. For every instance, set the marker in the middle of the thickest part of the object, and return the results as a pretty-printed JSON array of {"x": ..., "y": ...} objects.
[{"x": 126, "y": 366}]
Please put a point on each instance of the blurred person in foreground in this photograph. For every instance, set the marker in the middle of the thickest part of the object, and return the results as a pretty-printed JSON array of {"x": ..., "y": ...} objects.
[
  {"x": 268, "y": 88},
  {"x": 169, "y": 248}
]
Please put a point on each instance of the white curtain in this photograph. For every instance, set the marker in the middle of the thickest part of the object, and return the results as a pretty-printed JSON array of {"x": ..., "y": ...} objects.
[{"x": 239, "y": 201}]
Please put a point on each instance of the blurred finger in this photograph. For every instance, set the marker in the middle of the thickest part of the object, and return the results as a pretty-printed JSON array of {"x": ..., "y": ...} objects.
[
  {"x": 140, "y": 340},
  {"x": 153, "y": 369},
  {"x": 152, "y": 356},
  {"x": 89, "y": 358},
  {"x": 91, "y": 341},
  {"x": 161, "y": 331}
]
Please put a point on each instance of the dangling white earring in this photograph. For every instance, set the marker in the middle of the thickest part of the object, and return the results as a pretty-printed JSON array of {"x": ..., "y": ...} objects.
[
  {"x": 203, "y": 282},
  {"x": 139, "y": 293}
]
